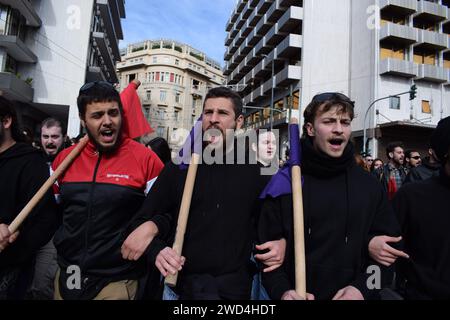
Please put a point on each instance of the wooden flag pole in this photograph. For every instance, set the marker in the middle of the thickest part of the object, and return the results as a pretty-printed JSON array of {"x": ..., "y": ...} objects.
[
  {"x": 14, "y": 226},
  {"x": 171, "y": 279},
  {"x": 299, "y": 233}
]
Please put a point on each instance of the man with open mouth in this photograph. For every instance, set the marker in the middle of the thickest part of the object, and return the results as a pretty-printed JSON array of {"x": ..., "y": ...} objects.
[
  {"x": 100, "y": 194},
  {"x": 340, "y": 217}
]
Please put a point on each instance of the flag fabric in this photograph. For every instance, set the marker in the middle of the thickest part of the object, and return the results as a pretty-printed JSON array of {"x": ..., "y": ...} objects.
[
  {"x": 134, "y": 122},
  {"x": 193, "y": 144},
  {"x": 280, "y": 184}
]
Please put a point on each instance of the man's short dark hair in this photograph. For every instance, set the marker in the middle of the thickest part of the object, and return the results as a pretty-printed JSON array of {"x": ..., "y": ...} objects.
[
  {"x": 93, "y": 92},
  {"x": 224, "y": 92},
  {"x": 391, "y": 147},
  {"x": 52, "y": 122},
  {"x": 327, "y": 100},
  {"x": 7, "y": 110},
  {"x": 409, "y": 152}
]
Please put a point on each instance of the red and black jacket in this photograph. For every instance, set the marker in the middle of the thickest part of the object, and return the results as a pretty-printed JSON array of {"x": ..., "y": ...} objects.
[{"x": 100, "y": 194}]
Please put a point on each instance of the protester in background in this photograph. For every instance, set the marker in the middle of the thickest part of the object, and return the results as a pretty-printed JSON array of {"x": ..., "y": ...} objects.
[
  {"x": 23, "y": 171},
  {"x": 376, "y": 164},
  {"x": 423, "y": 211},
  {"x": 393, "y": 174},
  {"x": 430, "y": 167},
  {"x": 161, "y": 148},
  {"x": 412, "y": 159}
]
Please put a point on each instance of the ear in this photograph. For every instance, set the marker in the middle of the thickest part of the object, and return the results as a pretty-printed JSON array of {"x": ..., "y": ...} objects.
[
  {"x": 310, "y": 129},
  {"x": 239, "y": 122},
  {"x": 7, "y": 122},
  {"x": 254, "y": 147},
  {"x": 391, "y": 155}
]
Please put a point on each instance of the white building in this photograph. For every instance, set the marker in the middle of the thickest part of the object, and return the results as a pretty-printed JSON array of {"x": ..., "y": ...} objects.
[
  {"x": 367, "y": 49},
  {"x": 50, "y": 48},
  {"x": 175, "y": 78}
]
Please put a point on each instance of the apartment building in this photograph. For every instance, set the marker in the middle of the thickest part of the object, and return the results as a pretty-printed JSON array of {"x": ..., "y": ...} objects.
[
  {"x": 50, "y": 48},
  {"x": 281, "y": 53},
  {"x": 175, "y": 78}
]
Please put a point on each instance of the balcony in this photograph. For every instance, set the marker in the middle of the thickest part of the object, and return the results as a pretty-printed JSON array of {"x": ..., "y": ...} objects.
[
  {"x": 396, "y": 67},
  {"x": 262, "y": 47},
  {"x": 432, "y": 73},
  {"x": 275, "y": 11},
  {"x": 274, "y": 36},
  {"x": 94, "y": 74},
  {"x": 290, "y": 47},
  {"x": 264, "y": 5},
  {"x": 17, "y": 49},
  {"x": 254, "y": 17},
  {"x": 399, "y": 33},
  {"x": 291, "y": 19},
  {"x": 402, "y": 7},
  {"x": 263, "y": 25},
  {"x": 432, "y": 11},
  {"x": 14, "y": 88},
  {"x": 128, "y": 64},
  {"x": 117, "y": 11},
  {"x": 109, "y": 25},
  {"x": 101, "y": 43},
  {"x": 288, "y": 75},
  {"x": 433, "y": 40},
  {"x": 27, "y": 10}
]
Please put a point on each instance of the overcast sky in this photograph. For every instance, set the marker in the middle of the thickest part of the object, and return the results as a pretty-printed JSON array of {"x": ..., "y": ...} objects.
[{"x": 198, "y": 23}]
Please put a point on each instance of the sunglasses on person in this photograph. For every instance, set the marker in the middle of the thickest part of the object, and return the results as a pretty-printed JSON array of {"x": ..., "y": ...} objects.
[
  {"x": 416, "y": 157},
  {"x": 90, "y": 85},
  {"x": 327, "y": 96}
]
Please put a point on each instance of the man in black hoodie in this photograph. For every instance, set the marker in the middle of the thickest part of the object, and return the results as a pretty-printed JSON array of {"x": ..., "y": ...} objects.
[
  {"x": 344, "y": 207},
  {"x": 22, "y": 170},
  {"x": 423, "y": 211}
]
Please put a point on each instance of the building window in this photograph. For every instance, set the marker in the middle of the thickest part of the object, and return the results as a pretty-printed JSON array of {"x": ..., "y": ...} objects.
[
  {"x": 177, "y": 97},
  {"x": 162, "y": 95},
  {"x": 131, "y": 77},
  {"x": 160, "y": 131},
  {"x": 177, "y": 62},
  {"x": 155, "y": 59},
  {"x": 167, "y": 77},
  {"x": 394, "y": 103},
  {"x": 157, "y": 76},
  {"x": 147, "y": 112},
  {"x": 162, "y": 76},
  {"x": 149, "y": 94},
  {"x": 172, "y": 77},
  {"x": 176, "y": 114},
  {"x": 426, "y": 107}
]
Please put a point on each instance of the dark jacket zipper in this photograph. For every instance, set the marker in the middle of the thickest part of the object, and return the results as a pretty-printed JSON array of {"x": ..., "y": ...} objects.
[{"x": 91, "y": 195}]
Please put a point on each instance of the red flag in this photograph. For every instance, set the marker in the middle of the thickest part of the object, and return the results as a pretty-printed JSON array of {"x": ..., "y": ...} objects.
[{"x": 134, "y": 124}]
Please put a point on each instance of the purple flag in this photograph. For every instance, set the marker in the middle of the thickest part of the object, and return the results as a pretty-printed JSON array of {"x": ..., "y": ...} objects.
[
  {"x": 280, "y": 184},
  {"x": 192, "y": 144}
]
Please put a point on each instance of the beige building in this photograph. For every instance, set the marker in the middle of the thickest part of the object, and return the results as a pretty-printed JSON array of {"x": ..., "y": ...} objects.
[{"x": 175, "y": 78}]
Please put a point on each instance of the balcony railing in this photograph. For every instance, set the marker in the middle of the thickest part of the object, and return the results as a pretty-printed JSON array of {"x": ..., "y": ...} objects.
[
  {"x": 400, "y": 33},
  {"x": 398, "y": 67}
]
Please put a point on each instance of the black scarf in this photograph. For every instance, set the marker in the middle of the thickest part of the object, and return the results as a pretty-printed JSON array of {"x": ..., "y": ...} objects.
[{"x": 319, "y": 164}]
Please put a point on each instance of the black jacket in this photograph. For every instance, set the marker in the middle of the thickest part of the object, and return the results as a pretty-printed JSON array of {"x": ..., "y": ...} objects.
[
  {"x": 23, "y": 171},
  {"x": 100, "y": 194},
  {"x": 221, "y": 227},
  {"x": 424, "y": 215},
  {"x": 423, "y": 172},
  {"x": 343, "y": 210}
]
